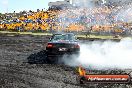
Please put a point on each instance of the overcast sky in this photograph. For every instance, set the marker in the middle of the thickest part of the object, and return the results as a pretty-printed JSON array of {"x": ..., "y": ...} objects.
[{"x": 19, "y": 5}]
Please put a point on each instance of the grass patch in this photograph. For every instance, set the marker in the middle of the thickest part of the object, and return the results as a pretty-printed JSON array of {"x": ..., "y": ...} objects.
[
  {"x": 44, "y": 34},
  {"x": 24, "y": 33},
  {"x": 99, "y": 36}
]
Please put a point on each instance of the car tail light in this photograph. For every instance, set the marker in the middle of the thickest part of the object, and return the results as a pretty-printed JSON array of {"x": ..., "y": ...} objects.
[
  {"x": 77, "y": 46},
  {"x": 50, "y": 45}
]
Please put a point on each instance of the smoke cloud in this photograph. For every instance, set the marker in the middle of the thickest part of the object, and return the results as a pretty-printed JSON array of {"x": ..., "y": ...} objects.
[
  {"x": 106, "y": 54},
  {"x": 99, "y": 54},
  {"x": 83, "y": 3}
]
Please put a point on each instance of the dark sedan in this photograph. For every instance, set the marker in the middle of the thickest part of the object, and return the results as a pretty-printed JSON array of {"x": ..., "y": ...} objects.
[{"x": 62, "y": 44}]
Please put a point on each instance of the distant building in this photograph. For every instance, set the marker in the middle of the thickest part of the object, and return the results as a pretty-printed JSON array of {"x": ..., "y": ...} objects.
[
  {"x": 88, "y": 3},
  {"x": 82, "y": 3},
  {"x": 59, "y": 3},
  {"x": 76, "y": 3}
]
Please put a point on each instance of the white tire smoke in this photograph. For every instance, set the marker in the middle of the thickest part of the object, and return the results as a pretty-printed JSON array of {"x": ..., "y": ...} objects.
[{"x": 106, "y": 54}]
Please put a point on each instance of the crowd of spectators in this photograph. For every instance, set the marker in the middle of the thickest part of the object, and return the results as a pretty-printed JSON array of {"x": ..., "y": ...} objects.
[
  {"x": 95, "y": 19},
  {"x": 29, "y": 21}
]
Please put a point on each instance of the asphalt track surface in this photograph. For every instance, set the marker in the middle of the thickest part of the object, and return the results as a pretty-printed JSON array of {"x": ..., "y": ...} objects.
[{"x": 15, "y": 72}]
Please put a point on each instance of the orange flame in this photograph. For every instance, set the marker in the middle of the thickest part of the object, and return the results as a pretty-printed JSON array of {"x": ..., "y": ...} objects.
[{"x": 81, "y": 71}]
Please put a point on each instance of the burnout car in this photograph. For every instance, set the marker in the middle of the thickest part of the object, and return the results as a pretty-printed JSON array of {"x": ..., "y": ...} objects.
[{"x": 62, "y": 44}]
